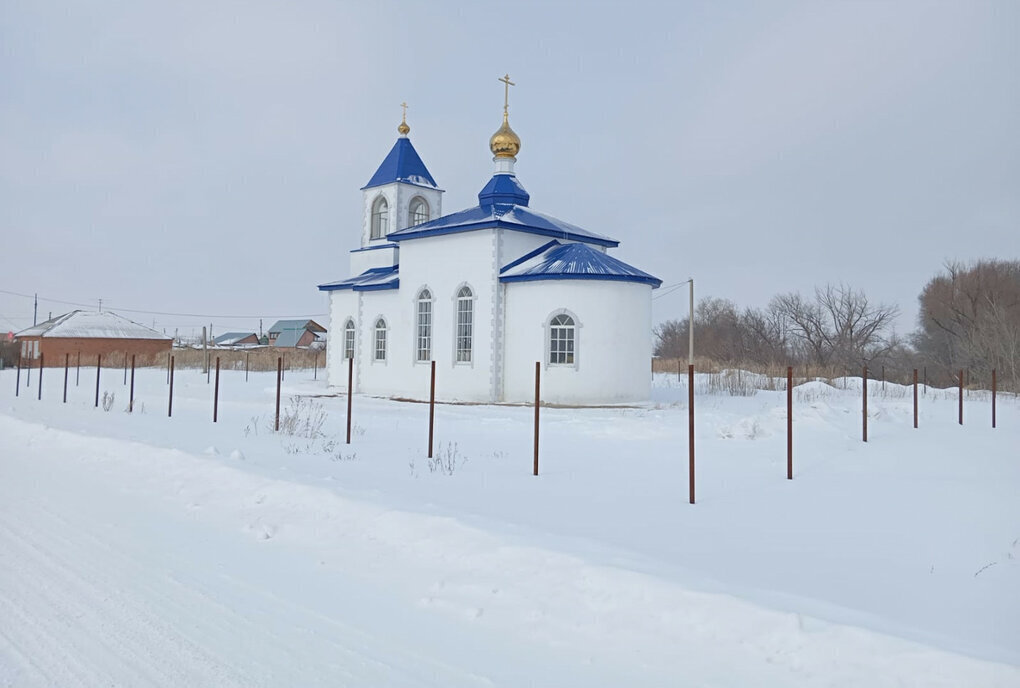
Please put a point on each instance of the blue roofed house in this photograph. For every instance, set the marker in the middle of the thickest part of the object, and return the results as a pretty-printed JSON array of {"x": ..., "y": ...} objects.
[
  {"x": 485, "y": 292},
  {"x": 296, "y": 334}
]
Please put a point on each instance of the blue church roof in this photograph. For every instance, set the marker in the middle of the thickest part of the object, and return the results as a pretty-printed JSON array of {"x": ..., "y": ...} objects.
[
  {"x": 502, "y": 203},
  {"x": 573, "y": 261},
  {"x": 402, "y": 164},
  {"x": 503, "y": 189},
  {"x": 373, "y": 279}
]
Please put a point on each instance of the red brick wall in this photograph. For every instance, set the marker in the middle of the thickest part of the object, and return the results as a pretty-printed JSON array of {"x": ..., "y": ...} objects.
[{"x": 146, "y": 351}]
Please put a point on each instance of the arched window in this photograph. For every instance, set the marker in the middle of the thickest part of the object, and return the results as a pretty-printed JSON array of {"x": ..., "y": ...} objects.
[
  {"x": 561, "y": 340},
  {"x": 418, "y": 212},
  {"x": 380, "y": 340},
  {"x": 349, "y": 339},
  {"x": 423, "y": 345},
  {"x": 465, "y": 324},
  {"x": 380, "y": 218}
]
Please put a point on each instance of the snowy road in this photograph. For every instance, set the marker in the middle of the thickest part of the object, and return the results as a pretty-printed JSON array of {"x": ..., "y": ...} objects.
[{"x": 123, "y": 564}]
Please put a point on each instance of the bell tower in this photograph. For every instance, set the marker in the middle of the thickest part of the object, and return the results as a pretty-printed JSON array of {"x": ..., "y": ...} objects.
[{"x": 401, "y": 193}]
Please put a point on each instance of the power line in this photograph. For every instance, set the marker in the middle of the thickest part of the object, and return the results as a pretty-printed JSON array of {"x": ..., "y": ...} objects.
[{"x": 166, "y": 313}]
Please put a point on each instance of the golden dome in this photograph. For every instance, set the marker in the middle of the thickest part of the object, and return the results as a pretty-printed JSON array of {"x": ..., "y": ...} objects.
[{"x": 505, "y": 143}]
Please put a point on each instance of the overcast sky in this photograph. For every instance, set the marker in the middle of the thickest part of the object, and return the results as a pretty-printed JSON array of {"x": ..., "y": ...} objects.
[{"x": 206, "y": 158}]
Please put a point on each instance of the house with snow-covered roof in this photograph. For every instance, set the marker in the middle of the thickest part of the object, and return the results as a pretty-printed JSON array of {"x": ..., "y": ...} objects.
[
  {"x": 90, "y": 335},
  {"x": 237, "y": 339},
  {"x": 485, "y": 292}
]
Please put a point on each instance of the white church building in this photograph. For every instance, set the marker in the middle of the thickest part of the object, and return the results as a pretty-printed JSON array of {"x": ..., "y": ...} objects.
[{"x": 486, "y": 293}]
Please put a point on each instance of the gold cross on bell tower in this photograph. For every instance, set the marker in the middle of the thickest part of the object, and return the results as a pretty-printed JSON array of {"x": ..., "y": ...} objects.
[
  {"x": 403, "y": 128},
  {"x": 506, "y": 91}
]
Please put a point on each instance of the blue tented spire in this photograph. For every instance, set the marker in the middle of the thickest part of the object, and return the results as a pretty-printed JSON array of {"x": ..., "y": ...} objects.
[{"x": 402, "y": 164}]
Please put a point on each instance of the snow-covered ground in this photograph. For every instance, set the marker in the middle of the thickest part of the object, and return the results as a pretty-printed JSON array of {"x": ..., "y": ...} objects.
[{"x": 141, "y": 550}]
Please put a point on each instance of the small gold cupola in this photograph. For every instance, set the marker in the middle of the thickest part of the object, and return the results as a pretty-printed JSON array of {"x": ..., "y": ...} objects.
[
  {"x": 402, "y": 128},
  {"x": 505, "y": 143}
]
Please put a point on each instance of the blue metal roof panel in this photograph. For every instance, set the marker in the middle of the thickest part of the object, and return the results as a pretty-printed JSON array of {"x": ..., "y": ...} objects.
[
  {"x": 370, "y": 279},
  {"x": 577, "y": 261},
  {"x": 288, "y": 338},
  {"x": 402, "y": 164},
  {"x": 528, "y": 256},
  {"x": 515, "y": 217}
]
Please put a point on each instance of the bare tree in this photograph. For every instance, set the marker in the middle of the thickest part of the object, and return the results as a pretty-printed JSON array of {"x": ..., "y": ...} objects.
[
  {"x": 970, "y": 318},
  {"x": 840, "y": 326}
]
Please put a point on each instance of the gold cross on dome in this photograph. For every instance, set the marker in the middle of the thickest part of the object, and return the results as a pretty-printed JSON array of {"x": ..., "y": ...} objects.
[
  {"x": 404, "y": 116},
  {"x": 506, "y": 91}
]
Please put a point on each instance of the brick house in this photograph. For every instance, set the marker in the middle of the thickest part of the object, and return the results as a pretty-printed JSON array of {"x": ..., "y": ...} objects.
[
  {"x": 296, "y": 334},
  {"x": 91, "y": 334}
]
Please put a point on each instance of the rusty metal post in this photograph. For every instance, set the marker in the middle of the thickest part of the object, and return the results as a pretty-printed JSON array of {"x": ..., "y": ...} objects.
[
  {"x": 131, "y": 399},
  {"x": 961, "y": 397},
  {"x": 40, "y": 375},
  {"x": 279, "y": 377},
  {"x": 789, "y": 422},
  {"x": 17, "y": 378},
  {"x": 99, "y": 364},
  {"x": 679, "y": 370},
  {"x": 993, "y": 398},
  {"x": 690, "y": 427},
  {"x": 915, "y": 398},
  {"x": 350, "y": 395},
  {"x": 864, "y": 411},
  {"x": 67, "y": 368},
  {"x": 216, "y": 393},
  {"x": 77, "y": 372},
  {"x": 538, "y": 405},
  {"x": 432, "y": 406},
  {"x": 170, "y": 404}
]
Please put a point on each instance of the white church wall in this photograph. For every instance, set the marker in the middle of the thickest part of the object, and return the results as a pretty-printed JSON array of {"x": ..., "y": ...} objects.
[
  {"x": 373, "y": 257},
  {"x": 613, "y": 343},
  {"x": 389, "y": 376},
  {"x": 444, "y": 264},
  {"x": 342, "y": 304},
  {"x": 513, "y": 245}
]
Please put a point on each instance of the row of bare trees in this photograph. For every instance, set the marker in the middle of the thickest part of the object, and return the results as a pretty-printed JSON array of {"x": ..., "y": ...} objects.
[
  {"x": 969, "y": 319},
  {"x": 838, "y": 326}
]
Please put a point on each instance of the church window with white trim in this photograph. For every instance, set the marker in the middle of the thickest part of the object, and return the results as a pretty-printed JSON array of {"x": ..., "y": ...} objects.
[
  {"x": 418, "y": 212},
  {"x": 380, "y": 218},
  {"x": 465, "y": 324},
  {"x": 561, "y": 340},
  {"x": 349, "y": 339},
  {"x": 380, "y": 340},
  {"x": 423, "y": 345}
]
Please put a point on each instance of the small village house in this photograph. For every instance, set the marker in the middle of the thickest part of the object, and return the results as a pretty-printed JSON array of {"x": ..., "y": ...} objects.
[
  {"x": 239, "y": 339},
  {"x": 292, "y": 334},
  {"x": 90, "y": 334}
]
